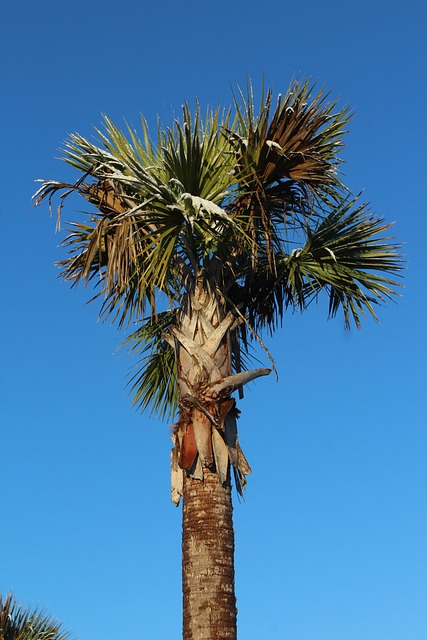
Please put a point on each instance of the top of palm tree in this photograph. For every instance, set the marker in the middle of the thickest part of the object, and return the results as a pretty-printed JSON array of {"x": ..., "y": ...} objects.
[{"x": 250, "y": 197}]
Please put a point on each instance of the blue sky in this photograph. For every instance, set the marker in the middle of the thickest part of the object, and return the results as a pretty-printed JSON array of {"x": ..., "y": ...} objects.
[{"x": 331, "y": 540}]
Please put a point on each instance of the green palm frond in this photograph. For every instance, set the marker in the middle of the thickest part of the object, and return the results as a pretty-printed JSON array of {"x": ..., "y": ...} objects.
[
  {"x": 197, "y": 155},
  {"x": 153, "y": 382},
  {"x": 147, "y": 214},
  {"x": 127, "y": 154},
  {"x": 17, "y": 623},
  {"x": 345, "y": 256}
]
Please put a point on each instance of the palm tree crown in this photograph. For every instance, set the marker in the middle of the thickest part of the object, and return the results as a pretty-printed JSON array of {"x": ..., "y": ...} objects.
[{"x": 247, "y": 202}]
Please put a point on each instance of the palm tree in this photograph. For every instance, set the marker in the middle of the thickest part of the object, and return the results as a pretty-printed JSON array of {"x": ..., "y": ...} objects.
[
  {"x": 204, "y": 238},
  {"x": 17, "y": 623}
]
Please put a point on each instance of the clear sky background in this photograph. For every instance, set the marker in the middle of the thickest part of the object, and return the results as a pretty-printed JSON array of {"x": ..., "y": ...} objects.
[{"x": 331, "y": 540}]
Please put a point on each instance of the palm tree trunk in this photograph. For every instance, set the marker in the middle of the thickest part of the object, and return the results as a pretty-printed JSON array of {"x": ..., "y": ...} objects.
[
  {"x": 209, "y": 603},
  {"x": 205, "y": 440}
]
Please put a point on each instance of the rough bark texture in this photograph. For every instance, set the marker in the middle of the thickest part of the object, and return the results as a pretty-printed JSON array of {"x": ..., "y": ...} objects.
[{"x": 209, "y": 604}]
